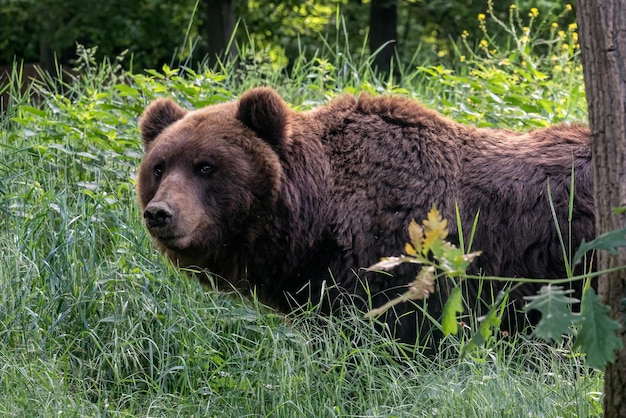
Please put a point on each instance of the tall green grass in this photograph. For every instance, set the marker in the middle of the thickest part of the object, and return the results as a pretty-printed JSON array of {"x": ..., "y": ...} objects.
[{"x": 94, "y": 322}]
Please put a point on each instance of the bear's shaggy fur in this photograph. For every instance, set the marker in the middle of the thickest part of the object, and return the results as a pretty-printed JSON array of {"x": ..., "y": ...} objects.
[{"x": 284, "y": 203}]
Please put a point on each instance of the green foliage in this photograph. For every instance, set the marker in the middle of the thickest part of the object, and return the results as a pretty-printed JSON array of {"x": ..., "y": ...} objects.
[
  {"x": 556, "y": 312},
  {"x": 609, "y": 242},
  {"x": 596, "y": 332},
  {"x": 516, "y": 77},
  {"x": 440, "y": 259},
  {"x": 427, "y": 247},
  {"x": 487, "y": 325},
  {"x": 440, "y": 24},
  {"x": 17, "y": 27},
  {"x": 452, "y": 308},
  {"x": 596, "y": 335},
  {"x": 302, "y": 24},
  {"x": 155, "y": 32},
  {"x": 152, "y": 30}
]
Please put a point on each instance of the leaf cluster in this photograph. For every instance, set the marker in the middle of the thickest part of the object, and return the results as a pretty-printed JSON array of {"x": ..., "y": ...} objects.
[
  {"x": 428, "y": 247},
  {"x": 594, "y": 330}
]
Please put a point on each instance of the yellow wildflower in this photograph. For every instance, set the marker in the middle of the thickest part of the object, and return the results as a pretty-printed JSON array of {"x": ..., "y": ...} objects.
[
  {"x": 462, "y": 58},
  {"x": 534, "y": 12},
  {"x": 561, "y": 34},
  {"x": 572, "y": 26},
  {"x": 483, "y": 43},
  {"x": 555, "y": 25},
  {"x": 526, "y": 30},
  {"x": 512, "y": 6},
  {"x": 465, "y": 34},
  {"x": 568, "y": 7},
  {"x": 481, "y": 17}
]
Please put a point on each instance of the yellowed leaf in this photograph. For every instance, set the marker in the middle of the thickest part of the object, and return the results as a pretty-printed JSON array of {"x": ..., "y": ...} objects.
[
  {"x": 416, "y": 235},
  {"x": 410, "y": 250},
  {"x": 387, "y": 263},
  {"x": 435, "y": 224},
  {"x": 423, "y": 285}
]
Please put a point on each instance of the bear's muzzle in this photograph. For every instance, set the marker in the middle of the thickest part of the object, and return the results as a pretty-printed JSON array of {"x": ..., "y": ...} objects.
[{"x": 158, "y": 215}]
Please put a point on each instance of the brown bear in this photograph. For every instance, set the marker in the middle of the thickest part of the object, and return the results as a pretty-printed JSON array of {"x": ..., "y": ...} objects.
[{"x": 292, "y": 205}]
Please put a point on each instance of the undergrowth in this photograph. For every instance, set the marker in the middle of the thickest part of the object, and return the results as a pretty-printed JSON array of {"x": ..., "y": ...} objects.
[{"x": 94, "y": 322}]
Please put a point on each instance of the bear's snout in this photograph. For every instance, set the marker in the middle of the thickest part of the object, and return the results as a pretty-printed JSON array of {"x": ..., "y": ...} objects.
[{"x": 158, "y": 214}]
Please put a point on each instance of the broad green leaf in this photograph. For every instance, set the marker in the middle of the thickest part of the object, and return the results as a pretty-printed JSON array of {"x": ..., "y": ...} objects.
[
  {"x": 619, "y": 211},
  {"x": 487, "y": 325},
  {"x": 596, "y": 335},
  {"x": 453, "y": 306},
  {"x": 609, "y": 242},
  {"x": 33, "y": 111},
  {"x": 126, "y": 90},
  {"x": 454, "y": 262},
  {"x": 556, "y": 313}
]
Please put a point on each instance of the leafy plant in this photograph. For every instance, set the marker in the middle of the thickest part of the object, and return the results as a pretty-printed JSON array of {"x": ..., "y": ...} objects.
[
  {"x": 439, "y": 258},
  {"x": 492, "y": 80},
  {"x": 595, "y": 334},
  {"x": 556, "y": 314}
]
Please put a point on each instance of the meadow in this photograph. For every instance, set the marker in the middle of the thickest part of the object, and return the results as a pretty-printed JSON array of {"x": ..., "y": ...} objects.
[{"x": 94, "y": 322}]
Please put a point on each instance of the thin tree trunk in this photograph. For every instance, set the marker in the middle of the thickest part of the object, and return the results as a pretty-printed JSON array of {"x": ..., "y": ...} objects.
[
  {"x": 383, "y": 32},
  {"x": 602, "y": 27},
  {"x": 218, "y": 23}
]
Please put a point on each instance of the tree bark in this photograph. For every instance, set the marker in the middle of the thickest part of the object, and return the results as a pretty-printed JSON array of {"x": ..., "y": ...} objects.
[
  {"x": 383, "y": 32},
  {"x": 218, "y": 24},
  {"x": 602, "y": 27}
]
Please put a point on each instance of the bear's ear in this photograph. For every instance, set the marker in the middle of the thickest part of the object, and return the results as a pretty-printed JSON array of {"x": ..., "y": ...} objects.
[
  {"x": 158, "y": 115},
  {"x": 264, "y": 111}
]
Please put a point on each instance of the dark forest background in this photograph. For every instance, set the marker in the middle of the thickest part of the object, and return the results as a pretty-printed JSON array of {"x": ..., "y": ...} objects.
[{"x": 193, "y": 32}]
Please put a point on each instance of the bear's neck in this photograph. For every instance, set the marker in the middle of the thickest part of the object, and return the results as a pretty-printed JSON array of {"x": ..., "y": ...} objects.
[{"x": 290, "y": 234}]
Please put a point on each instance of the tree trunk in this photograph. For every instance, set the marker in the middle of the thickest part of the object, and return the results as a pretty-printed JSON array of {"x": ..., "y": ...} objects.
[
  {"x": 218, "y": 24},
  {"x": 603, "y": 41},
  {"x": 383, "y": 32}
]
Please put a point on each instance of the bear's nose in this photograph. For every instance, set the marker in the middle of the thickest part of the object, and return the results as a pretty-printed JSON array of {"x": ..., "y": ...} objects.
[{"x": 158, "y": 214}]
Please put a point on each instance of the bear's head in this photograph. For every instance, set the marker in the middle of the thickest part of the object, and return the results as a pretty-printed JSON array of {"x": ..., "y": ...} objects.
[{"x": 210, "y": 178}]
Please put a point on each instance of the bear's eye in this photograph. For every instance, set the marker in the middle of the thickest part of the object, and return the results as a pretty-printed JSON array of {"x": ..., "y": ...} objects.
[
  {"x": 204, "y": 169},
  {"x": 158, "y": 171}
]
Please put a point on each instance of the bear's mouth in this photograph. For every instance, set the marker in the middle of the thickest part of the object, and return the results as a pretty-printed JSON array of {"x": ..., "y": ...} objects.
[{"x": 168, "y": 240}]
